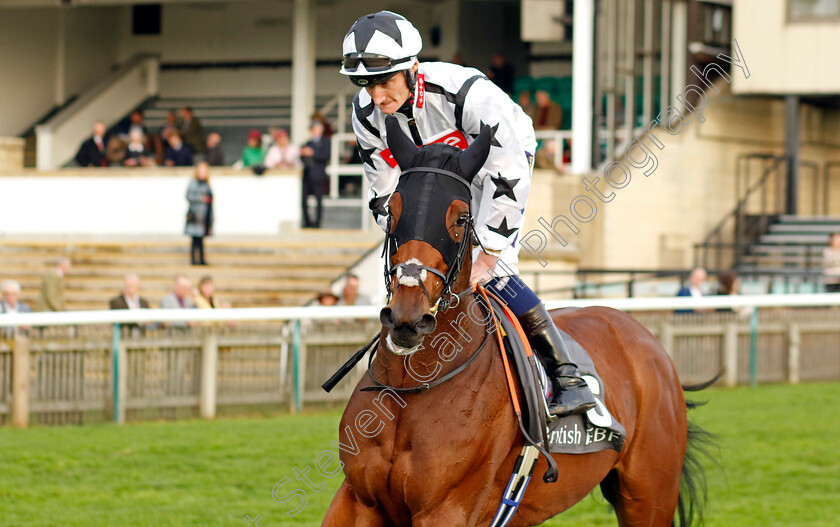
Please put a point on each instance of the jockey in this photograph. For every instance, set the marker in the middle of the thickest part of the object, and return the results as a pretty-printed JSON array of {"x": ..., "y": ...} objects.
[{"x": 440, "y": 102}]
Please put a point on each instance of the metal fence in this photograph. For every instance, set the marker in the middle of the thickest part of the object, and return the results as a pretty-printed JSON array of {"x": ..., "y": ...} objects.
[{"x": 83, "y": 370}]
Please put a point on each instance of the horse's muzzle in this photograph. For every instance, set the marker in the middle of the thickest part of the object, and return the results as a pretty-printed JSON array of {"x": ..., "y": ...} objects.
[{"x": 407, "y": 331}]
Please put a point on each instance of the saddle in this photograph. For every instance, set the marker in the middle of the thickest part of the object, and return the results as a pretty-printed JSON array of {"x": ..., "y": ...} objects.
[{"x": 589, "y": 432}]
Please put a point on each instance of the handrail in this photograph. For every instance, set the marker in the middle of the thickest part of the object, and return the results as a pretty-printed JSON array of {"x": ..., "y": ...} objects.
[
  {"x": 94, "y": 92},
  {"x": 645, "y": 275},
  {"x": 120, "y": 92},
  {"x": 122, "y": 316},
  {"x": 561, "y": 137},
  {"x": 743, "y": 201}
]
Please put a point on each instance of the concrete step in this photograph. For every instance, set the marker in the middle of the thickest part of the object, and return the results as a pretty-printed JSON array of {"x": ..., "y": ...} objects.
[
  {"x": 824, "y": 229},
  {"x": 813, "y": 220},
  {"x": 247, "y": 272},
  {"x": 793, "y": 239}
]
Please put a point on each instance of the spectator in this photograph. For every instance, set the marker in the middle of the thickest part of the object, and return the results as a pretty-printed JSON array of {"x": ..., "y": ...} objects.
[
  {"x": 160, "y": 140},
  {"x": 350, "y": 295},
  {"x": 138, "y": 121},
  {"x": 177, "y": 154},
  {"x": 501, "y": 72},
  {"x": 92, "y": 151},
  {"x": 327, "y": 298},
  {"x": 51, "y": 297},
  {"x": 205, "y": 298},
  {"x": 130, "y": 298},
  {"x": 214, "y": 155},
  {"x": 693, "y": 288},
  {"x": 315, "y": 155},
  {"x": 831, "y": 264},
  {"x": 355, "y": 157},
  {"x": 546, "y": 114},
  {"x": 546, "y": 157},
  {"x": 191, "y": 130},
  {"x": 328, "y": 129},
  {"x": 123, "y": 128},
  {"x": 206, "y": 289},
  {"x": 730, "y": 284},
  {"x": 695, "y": 283},
  {"x": 525, "y": 102},
  {"x": 11, "y": 304},
  {"x": 136, "y": 153},
  {"x": 252, "y": 155},
  {"x": 179, "y": 298},
  {"x": 200, "y": 212},
  {"x": 282, "y": 154}
]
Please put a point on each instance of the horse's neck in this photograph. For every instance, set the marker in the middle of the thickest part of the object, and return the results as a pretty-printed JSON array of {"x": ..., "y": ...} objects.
[{"x": 459, "y": 333}]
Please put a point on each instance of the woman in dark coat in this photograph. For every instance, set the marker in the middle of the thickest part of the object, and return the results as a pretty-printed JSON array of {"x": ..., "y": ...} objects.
[{"x": 200, "y": 212}]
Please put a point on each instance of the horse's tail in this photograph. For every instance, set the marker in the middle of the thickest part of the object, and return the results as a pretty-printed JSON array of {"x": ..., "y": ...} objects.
[{"x": 700, "y": 444}]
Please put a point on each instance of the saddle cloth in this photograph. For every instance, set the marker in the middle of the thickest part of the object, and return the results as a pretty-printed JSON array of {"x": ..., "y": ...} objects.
[{"x": 592, "y": 431}]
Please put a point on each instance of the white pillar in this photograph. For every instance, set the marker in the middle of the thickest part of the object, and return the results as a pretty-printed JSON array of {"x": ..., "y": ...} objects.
[
  {"x": 61, "y": 58},
  {"x": 583, "y": 63},
  {"x": 679, "y": 49},
  {"x": 303, "y": 70},
  {"x": 44, "y": 147}
]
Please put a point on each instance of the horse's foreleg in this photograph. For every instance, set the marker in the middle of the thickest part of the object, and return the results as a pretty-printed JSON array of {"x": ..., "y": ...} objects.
[{"x": 346, "y": 510}]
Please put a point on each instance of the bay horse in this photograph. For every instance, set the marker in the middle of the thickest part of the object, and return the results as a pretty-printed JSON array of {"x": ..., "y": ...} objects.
[{"x": 440, "y": 453}]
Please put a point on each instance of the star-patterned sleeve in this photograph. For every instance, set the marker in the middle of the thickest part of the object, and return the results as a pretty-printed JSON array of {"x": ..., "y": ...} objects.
[
  {"x": 501, "y": 187},
  {"x": 381, "y": 176}
]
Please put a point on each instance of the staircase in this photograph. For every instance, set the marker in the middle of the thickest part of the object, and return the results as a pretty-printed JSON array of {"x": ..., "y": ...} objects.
[
  {"x": 792, "y": 243},
  {"x": 255, "y": 272}
]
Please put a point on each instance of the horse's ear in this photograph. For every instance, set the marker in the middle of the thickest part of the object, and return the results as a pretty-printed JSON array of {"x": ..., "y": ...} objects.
[
  {"x": 472, "y": 159},
  {"x": 402, "y": 148}
]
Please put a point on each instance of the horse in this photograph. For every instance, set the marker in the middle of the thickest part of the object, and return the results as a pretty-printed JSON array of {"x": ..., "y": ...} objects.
[{"x": 429, "y": 437}]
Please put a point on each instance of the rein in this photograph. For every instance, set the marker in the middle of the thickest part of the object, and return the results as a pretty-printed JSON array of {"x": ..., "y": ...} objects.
[{"x": 379, "y": 386}]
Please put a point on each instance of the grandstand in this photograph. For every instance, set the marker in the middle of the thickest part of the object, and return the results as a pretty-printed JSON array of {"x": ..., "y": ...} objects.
[{"x": 748, "y": 184}]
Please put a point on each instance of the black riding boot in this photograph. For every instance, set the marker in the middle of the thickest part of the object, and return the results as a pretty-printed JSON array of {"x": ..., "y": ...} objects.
[{"x": 571, "y": 393}]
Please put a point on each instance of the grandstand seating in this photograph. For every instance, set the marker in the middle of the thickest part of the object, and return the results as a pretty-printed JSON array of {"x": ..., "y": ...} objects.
[
  {"x": 232, "y": 118},
  {"x": 258, "y": 272}
]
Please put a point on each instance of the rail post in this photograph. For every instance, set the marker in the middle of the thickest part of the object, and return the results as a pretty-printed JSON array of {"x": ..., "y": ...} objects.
[
  {"x": 209, "y": 366},
  {"x": 20, "y": 382},
  {"x": 730, "y": 353},
  {"x": 297, "y": 357},
  {"x": 754, "y": 348},
  {"x": 794, "y": 352},
  {"x": 119, "y": 384},
  {"x": 666, "y": 337}
]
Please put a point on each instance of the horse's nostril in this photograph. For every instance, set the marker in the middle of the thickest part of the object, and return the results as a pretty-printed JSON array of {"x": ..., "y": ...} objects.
[
  {"x": 386, "y": 317},
  {"x": 426, "y": 324}
]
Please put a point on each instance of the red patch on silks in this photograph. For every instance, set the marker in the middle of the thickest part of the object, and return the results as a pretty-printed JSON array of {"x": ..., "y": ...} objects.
[
  {"x": 421, "y": 90},
  {"x": 388, "y": 157},
  {"x": 455, "y": 138}
]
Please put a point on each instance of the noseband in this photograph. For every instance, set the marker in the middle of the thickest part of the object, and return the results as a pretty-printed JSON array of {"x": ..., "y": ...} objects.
[{"x": 415, "y": 270}]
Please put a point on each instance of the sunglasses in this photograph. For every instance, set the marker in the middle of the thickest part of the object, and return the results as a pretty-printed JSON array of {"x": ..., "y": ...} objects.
[
  {"x": 373, "y": 63},
  {"x": 369, "y": 81}
]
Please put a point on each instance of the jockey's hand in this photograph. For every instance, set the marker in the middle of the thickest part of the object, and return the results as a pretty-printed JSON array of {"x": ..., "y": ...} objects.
[{"x": 480, "y": 267}]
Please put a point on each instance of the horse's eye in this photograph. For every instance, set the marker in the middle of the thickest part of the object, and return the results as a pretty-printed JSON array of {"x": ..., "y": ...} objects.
[{"x": 462, "y": 221}]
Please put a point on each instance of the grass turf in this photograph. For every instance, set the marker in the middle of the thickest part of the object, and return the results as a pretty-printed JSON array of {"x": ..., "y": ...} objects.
[{"x": 779, "y": 465}]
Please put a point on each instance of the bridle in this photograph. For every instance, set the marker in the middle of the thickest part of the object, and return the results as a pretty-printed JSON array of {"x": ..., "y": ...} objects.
[{"x": 447, "y": 298}]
